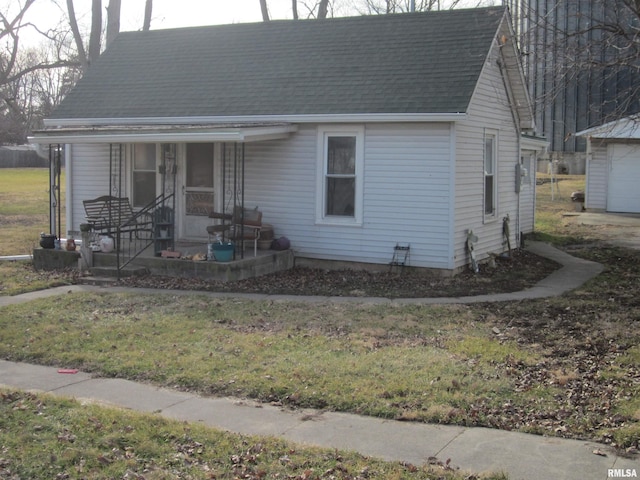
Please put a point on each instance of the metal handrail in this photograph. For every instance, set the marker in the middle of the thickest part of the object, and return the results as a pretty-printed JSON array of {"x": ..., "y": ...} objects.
[{"x": 140, "y": 239}]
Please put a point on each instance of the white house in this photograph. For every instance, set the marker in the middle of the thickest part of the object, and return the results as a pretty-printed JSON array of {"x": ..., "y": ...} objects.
[
  {"x": 613, "y": 166},
  {"x": 351, "y": 135}
]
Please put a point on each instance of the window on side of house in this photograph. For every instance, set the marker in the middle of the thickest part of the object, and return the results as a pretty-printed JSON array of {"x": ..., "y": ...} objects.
[
  {"x": 490, "y": 174},
  {"x": 144, "y": 174},
  {"x": 340, "y": 176}
]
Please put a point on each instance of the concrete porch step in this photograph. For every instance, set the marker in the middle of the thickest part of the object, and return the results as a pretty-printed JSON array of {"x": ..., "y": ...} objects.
[{"x": 98, "y": 281}]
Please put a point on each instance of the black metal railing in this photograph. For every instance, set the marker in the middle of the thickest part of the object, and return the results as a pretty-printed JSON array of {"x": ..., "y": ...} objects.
[{"x": 140, "y": 232}]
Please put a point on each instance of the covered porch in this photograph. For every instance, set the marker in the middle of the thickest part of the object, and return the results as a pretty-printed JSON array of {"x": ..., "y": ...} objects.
[{"x": 182, "y": 186}]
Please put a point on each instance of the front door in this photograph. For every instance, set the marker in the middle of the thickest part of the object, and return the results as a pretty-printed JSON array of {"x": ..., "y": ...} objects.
[{"x": 198, "y": 188}]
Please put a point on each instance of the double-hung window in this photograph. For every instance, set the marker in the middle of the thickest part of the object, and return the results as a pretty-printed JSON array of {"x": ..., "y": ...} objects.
[
  {"x": 144, "y": 174},
  {"x": 490, "y": 173},
  {"x": 340, "y": 175}
]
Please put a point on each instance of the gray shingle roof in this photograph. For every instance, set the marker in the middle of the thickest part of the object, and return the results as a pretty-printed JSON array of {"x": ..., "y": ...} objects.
[{"x": 406, "y": 63}]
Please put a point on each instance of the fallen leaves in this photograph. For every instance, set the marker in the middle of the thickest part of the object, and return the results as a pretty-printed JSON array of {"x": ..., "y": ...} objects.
[{"x": 522, "y": 271}]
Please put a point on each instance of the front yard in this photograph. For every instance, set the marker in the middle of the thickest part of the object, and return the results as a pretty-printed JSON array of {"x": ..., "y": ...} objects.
[{"x": 566, "y": 366}]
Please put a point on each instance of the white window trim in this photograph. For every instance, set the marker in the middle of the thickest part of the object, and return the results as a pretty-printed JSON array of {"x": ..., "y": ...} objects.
[
  {"x": 324, "y": 132},
  {"x": 494, "y": 134}
]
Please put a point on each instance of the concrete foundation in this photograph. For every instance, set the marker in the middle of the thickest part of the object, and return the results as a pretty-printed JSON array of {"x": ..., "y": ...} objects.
[
  {"x": 265, "y": 263},
  {"x": 50, "y": 259}
]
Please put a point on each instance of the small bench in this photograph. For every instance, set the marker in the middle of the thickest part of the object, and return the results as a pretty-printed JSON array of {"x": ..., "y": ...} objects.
[{"x": 107, "y": 213}]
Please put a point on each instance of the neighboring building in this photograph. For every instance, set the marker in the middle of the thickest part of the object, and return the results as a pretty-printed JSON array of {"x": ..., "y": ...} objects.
[
  {"x": 613, "y": 166},
  {"x": 571, "y": 88},
  {"x": 350, "y": 134}
]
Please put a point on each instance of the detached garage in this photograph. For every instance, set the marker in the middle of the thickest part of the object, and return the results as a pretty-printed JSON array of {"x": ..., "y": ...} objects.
[{"x": 613, "y": 166}]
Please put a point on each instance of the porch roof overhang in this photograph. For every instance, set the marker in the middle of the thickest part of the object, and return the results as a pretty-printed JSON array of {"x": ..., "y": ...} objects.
[{"x": 155, "y": 133}]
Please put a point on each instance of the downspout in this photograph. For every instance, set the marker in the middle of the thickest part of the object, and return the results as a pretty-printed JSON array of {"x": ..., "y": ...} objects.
[{"x": 516, "y": 123}]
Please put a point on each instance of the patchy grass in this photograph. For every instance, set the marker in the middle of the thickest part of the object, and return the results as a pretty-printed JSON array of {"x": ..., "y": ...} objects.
[
  {"x": 566, "y": 366},
  {"x": 497, "y": 366},
  {"x": 274, "y": 352},
  {"x": 47, "y": 437},
  {"x": 18, "y": 277},
  {"x": 24, "y": 208},
  {"x": 553, "y": 199}
]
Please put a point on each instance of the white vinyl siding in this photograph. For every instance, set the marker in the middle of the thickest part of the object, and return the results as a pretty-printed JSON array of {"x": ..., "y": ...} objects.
[
  {"x": 490, "y": 108},
  {"x": 597, "y": 178},
  {"x": 90, "y": 179},
  {"x": 406, "y": 197},
  {"x": 527, "y": 193}
]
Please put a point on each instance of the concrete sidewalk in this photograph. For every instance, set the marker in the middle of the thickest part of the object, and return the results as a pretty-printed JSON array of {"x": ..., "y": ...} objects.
[
  {"x": 573, "y": 273},
  {"x": 473, "y": 450}
]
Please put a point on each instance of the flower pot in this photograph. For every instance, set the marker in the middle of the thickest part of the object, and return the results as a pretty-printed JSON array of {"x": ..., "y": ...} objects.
[
  {"x": 71, "y": 245},
  {"x": 221, "y": 252},
  {"x": 47, "y": 240}
]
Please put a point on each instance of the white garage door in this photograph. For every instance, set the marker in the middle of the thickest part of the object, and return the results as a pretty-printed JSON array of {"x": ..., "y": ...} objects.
[{"x": 623, "y": 191}]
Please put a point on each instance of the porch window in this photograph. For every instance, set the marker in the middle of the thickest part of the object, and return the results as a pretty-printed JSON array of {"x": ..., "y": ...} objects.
[
  {"x": 144, "y": 174},
  {"x": 490, "y": 167},
  {"x": 340, "y": 176}
]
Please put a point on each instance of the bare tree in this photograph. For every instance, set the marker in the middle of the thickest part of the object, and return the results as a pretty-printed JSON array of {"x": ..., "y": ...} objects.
[
  {"x": 113, "y": 20},
  {"x": 87, "y": 55},
  {"x": 379, "y": 7},
  {"x": 323, "y": 8},
  {"x": 34, "y": 81},
  {"x": 582, "y": 62},
  {"x": 315, "y": 8},
  {"x": 148, "y": 7},
  {"x": 265, "y": 10},
  {"x": 14, "y": 67},
  {"x": 294, "y": 9}
]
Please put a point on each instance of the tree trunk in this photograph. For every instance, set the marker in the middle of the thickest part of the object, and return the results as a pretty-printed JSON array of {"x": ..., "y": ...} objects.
[
  {"x": 294, "y": 9},
  {"x": 323, "y": 8},
  {"x": 77, "y": 38},
  {"x": 265, "y": 10},
  {"x": 148, "y": 7},
  {"x": 96, "y": 31},
  {"x": 113, "y": 20}
]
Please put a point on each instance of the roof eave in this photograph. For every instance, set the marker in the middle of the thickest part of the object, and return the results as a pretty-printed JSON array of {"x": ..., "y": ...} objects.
[
  {"x": 97, "y": 135},
  {"x": 52, "y": 123}
]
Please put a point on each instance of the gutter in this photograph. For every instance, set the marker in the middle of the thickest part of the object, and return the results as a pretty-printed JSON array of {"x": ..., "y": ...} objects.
[{"x": 212, "y": 120}]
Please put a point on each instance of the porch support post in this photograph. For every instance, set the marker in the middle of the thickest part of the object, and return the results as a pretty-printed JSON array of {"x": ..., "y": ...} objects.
[
  {"x": 233, "y": 172},
  {"x": 55, "y": 165}
]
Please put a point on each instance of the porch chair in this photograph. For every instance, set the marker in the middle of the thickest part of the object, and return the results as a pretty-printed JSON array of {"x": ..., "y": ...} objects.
[{"x": 243, "y": 224}]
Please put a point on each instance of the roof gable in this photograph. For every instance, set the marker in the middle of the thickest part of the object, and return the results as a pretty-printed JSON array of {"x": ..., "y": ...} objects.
[{"x": 393, "y": 64}]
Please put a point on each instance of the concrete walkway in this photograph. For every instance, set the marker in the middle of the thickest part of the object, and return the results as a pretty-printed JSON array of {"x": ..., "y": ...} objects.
[
  {"x": 475, "y": 450},
  {"x": 574, "y": 273}
]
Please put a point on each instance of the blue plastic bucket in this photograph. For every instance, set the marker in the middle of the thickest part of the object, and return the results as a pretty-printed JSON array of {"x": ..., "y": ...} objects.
[{"x": 220, "y": 252}]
